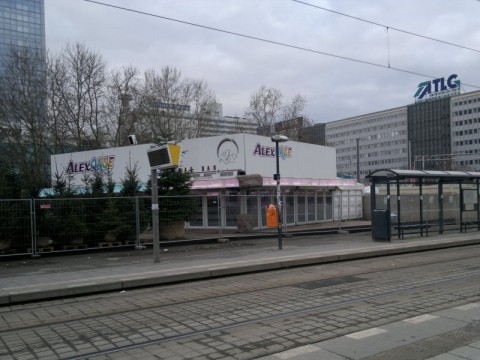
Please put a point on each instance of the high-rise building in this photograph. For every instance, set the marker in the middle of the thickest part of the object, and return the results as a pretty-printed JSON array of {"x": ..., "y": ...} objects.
[
  {"x": 22, "y": 26},
  {"x": 441, "y": 133}
]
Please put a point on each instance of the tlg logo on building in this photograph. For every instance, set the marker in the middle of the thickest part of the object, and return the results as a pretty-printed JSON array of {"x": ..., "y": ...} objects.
[{"x": 434, "y": 89}]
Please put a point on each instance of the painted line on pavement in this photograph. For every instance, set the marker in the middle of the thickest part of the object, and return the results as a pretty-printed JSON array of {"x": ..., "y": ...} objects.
[
  {"x": 366, "y": 333},
  {"x": 468, "y": 306},
  {"x": 421, "y": 318},
  {"x": 302, "y": 350}
]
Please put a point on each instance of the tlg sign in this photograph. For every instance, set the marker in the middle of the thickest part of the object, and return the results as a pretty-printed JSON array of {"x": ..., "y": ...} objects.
[{"x": 437, "y": 88}]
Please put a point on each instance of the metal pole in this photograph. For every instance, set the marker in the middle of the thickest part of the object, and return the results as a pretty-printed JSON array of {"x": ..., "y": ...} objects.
[
  {"x": 409, "y": 150},
  {"x": 279, "y": 200},
  {"x": 220, "y": 222},
  {"x": 138, "y": 246},
  {"x": 358, "y": 160},
  {"x": 33, "y": 227},
  {"x": 156, "y": 230}
]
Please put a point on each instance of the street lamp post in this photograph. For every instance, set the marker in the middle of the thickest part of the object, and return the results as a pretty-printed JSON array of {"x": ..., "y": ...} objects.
[
  {"x": 155, "y": 210},
  {"x": 278, "y": 139}
]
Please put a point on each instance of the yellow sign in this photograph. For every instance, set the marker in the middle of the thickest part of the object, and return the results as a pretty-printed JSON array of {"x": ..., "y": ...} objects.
[{"x": 164, "y": 157}]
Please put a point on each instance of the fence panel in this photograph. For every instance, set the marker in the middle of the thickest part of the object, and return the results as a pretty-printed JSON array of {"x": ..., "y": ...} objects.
[
  {"x": 81, "y": 223},
  {"x": 70, "y": 224},
  {"x": 15, "y": 227}
]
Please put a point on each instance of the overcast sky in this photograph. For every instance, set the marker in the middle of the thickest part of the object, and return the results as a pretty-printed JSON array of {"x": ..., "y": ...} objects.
[{"x": 234, "y": 67}]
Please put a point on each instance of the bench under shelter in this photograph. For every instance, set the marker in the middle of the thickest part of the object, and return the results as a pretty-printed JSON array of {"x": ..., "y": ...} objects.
[{"x": 416, "y": 201}]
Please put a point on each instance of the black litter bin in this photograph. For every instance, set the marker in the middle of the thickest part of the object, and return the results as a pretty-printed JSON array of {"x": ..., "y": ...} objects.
[{"x": 381, "y": 225}]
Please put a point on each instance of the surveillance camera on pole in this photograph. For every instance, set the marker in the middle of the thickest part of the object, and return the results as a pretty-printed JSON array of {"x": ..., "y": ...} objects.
[{"x": 132, "y": 139}]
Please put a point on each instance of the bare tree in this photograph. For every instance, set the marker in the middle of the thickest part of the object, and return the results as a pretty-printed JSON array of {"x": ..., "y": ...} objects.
[
  {"x": 23, "y": 117},
  {"x": 265, "y": 108},
  {"x": 174, "y": 108},
  {"x": 268, "y": 107},
  {"x": 296, "y": 107},
  {"x": 123, "y": 108},
  {"x": 77, "y": 86},
  {"x": 60, "y": 136}
]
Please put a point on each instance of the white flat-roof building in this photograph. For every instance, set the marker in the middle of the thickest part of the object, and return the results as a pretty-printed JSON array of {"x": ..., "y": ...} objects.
[{"x": 239, "y": 167}]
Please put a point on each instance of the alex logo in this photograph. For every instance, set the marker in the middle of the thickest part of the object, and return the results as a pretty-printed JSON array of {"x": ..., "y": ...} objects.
[
  {"x": 284, "y": 152},
  {"x": 428, "y": 88},
  {"x": 102, "y": 164}
]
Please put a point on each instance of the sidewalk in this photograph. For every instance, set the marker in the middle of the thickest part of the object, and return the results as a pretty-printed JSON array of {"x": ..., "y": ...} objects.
[{"x": 66, "y": 275}]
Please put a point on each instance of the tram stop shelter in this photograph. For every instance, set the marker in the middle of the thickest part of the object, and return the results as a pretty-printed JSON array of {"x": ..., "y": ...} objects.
[{"x": 423, "y": 201}]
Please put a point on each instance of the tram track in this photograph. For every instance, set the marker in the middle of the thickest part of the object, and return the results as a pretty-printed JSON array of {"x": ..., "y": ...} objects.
[
  {"x": 218, "y": 309},
  {"x": 315, "y": 309},
  {"x": 102, "y": 301}
]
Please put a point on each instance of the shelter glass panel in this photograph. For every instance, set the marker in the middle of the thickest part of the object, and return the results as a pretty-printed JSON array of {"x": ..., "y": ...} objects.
[
  {"x": 320, "y": 205},
  {"x": 329, "y": 206},
  {"x": 311, "y": 206},
  {"x": 289, "y": 208},
  {"x": 301, "y": 206}
]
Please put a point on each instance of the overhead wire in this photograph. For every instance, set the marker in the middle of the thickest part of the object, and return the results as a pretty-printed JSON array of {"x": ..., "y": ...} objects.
[
  {"x": 386, "y": 26},
  {"x": 273, "y": 42}
]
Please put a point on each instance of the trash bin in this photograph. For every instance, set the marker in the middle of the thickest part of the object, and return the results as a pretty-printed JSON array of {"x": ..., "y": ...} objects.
[{"x": 381, "y": 225}]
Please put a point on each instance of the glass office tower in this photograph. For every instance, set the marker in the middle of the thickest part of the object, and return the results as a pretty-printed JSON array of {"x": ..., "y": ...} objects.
[{"x": 22, "y": 25}]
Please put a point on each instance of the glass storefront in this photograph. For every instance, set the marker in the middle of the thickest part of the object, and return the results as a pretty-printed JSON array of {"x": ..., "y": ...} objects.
[
  {"x": 299, "y": 207},
  {"x": 213, "y": 210},
  {"x": 232, "y": 207}
]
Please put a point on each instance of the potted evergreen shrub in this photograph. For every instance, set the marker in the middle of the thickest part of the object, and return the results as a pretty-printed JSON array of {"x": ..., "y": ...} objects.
[{"x": 175, "y": 203}]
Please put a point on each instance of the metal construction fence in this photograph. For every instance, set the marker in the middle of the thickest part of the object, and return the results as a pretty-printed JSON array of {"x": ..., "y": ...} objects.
[{"x": 33, "y": 226}]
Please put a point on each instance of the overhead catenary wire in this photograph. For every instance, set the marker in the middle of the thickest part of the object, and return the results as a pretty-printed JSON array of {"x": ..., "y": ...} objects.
[
  {"x": 387, "y": 26},
  {"x": 273, "y": 42}
]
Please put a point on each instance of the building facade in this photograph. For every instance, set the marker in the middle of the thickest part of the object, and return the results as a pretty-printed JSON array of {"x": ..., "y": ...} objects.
[
  {"x": 22, "y": 26},
  {"x": 465, "y": 130},
  {"x": 373, "y": 141},
  {"x": 429, "y": 134},
  {"x": 441, "y": 133}
]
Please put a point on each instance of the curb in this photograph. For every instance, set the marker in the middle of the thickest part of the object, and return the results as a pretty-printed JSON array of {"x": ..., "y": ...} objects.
[{"x": 121, "y": 282}]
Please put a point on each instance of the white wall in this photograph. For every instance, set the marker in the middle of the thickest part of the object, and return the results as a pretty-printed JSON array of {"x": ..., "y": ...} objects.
[
  {"x": 114, "y": 159},
  {"x": 252, "y": 153},
  {"x": 256, "y": 155}
]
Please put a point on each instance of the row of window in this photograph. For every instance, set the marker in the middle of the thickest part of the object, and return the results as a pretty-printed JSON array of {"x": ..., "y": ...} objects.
[
  {"x": 470, "y": 162},
  {"x": 467, "y": 122},
  {"x": 370, "y": 120},
  {"x": 7, "y": 37},
  {"x": 467, "y": 142},
  {"x": 15, "y": 16},
  {"x": 358, "y": 129},
  {"x": 465, "y": 132},
  {"x": 25, "y": 5},
  {"x": 387, "y": 154},
  {"x": 466, "y": 102},
  {"x": 373, "y": 129},
  {"x": 387, "y": 144},
  {"x": 396, "y": 162},
  {"x": 466, "y": 111}
]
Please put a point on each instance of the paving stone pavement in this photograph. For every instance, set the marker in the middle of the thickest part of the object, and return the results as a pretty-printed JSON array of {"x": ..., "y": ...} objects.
[{"x": 49, "y": 277}]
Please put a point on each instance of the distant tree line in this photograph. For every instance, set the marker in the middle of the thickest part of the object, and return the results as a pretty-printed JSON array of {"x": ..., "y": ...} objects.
[{"x": 72, "y": 102}]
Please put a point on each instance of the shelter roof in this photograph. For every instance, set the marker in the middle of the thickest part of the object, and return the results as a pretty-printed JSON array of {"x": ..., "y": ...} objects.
[{"x": 401, "y": 174}]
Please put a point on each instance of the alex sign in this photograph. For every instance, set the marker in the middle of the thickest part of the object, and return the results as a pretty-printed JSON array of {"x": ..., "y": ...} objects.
[
  {"x": 441, "y": 87},
  {"x": 284, "y": 152}
]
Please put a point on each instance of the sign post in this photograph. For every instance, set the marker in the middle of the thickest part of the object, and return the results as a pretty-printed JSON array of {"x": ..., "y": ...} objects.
[
  {"x": 277, "y": 139},
  {"x": 162, "y": 157}
]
